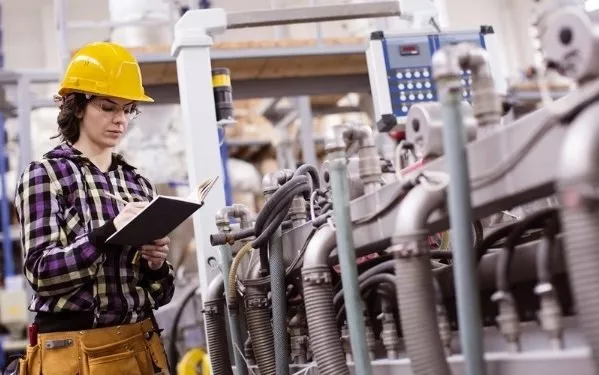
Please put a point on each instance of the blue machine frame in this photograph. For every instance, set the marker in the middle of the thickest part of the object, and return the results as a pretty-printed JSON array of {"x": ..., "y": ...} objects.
[{"x": 400, "y": 71}]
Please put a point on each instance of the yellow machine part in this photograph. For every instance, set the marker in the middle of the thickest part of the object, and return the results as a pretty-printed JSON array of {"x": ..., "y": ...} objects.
[{"x": 193, "y": 360}]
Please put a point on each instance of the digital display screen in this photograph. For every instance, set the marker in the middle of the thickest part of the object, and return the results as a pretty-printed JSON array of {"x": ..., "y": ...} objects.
[{"x": 409, "y": 50}]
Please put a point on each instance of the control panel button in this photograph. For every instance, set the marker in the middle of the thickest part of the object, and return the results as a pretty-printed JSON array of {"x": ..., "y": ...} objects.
[
  {"x": 410, "y": 86},
  {"x": 411, "y": 97},
  {"x": 429, "y": 95},
  {"x": 408, "y": 75},
  {"x": 427, "y": 84},
  {"x": 401, "y": 86},
  {"x": 402, "y": 97},
  {"x": 416, "y": 74},
  {"x": 418, "y": 85},
  {"x": 425, "y": 73},
  {"x": 404, "y": 108},
  {"x": 420, "y": 96},
  {"x": 399, "y": 75}
]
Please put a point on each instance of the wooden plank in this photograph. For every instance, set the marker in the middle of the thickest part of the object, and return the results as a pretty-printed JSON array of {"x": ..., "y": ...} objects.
[
  {"x": 258, "y": 44},
  {"x": 265, "y": 68}
]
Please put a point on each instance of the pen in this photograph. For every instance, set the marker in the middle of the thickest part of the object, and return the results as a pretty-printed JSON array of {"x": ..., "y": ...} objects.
[
  {"x": 116, "y": 197},
  {"x": 119, "y": 199}
]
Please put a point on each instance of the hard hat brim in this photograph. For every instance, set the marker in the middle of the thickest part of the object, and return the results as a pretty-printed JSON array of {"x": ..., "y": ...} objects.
[{"x": 143, "y": 98}]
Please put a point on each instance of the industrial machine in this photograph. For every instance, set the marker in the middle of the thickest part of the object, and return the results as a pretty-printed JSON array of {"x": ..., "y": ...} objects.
[{"x": 343, "y": 273}]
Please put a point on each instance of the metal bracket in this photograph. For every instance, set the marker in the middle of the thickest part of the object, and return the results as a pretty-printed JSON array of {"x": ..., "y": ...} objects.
[{"x": 58, "y": 344}]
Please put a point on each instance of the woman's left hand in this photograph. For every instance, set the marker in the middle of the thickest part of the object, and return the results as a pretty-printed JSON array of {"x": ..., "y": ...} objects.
[{"x": 156, "y": 253}]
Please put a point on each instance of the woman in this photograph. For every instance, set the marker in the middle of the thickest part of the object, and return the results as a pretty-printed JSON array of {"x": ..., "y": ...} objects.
[{"x": 93, "y": 301}]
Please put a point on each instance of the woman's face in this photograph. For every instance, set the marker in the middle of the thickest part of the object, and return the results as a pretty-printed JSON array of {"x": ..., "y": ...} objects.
[{"x": 105, "y": 120}]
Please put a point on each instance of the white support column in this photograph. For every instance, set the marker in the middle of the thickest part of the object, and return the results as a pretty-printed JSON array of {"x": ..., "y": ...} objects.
[{"x": 191, "y": 47}]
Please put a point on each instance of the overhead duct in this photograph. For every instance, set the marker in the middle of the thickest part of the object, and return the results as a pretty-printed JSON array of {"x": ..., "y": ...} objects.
[{"x": 157, "y": 126}]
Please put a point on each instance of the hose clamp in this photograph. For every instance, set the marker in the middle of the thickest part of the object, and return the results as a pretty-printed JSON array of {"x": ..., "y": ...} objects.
[
  {"x": 256, "y": 302},
  {"x": 318, "y": 278},
  {"x": 410, "y": 249},
  {"x": 211, "y": 309}
]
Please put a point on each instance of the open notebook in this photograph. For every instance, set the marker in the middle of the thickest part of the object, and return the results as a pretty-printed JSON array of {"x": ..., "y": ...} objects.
[{"x": 161, "y": 217}]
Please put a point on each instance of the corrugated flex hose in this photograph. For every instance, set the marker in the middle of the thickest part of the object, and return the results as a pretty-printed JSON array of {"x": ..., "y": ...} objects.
[
  {"x": 259, "y": 327},
  {"x": 214, "y": 317},
  {"x": 416, "y": 296},
  {"x": 581, "y": 238},
  {"x": 324, "y": 336}
]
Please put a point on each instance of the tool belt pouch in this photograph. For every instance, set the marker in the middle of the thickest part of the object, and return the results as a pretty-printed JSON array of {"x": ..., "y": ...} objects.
[
  {"x": 157, "y": 353},
  {"x": 122, "y": 357},
  {"x": 31, "y": 364}
]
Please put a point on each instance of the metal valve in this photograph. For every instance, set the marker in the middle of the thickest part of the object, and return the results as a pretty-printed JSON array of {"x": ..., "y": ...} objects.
[
  {"x": 508, "y": 320},
  {"x": 550, "y": 315}
]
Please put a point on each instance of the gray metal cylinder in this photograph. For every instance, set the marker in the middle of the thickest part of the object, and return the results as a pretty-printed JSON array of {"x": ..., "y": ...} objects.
[
  {"x": 415, "y": 293},
  {"x": 578, "y": 184},
  {"x": 260, "y": 329},
  {"x": 324, "y": 336}
]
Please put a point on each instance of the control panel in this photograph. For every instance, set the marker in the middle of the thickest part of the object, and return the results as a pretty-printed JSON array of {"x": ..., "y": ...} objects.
[{"x": 400, "y": 72}]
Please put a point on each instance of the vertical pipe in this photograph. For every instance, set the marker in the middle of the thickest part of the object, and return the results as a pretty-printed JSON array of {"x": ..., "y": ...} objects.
[
  {"x": 9, "y": 264},
  {"x": 224, "y": 155},
  {"x": 24, "y": 121},
  {"x": 347, "y": 261},
  {"x": 460, "y": 214},
  {"x": 308, "y": 148},
  {"x": 279, "y": 302},
  {"x": 60, "y": 17},
  {"x": 234, "y": 323}
]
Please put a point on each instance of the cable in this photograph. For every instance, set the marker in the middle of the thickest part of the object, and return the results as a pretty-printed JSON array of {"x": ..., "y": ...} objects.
[
  {"x": 534, "y": 220},
  {"x": 173, "y": 353},
  {"x": 310, "y": 170},
  {"x": 274, "y": 213},
  {"x": 547, "y": 249},
  {"x": 232, "y": 276}
]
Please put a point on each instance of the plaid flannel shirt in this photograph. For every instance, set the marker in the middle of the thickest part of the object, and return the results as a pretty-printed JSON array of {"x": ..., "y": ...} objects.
[{"x": 65, "y": 220}]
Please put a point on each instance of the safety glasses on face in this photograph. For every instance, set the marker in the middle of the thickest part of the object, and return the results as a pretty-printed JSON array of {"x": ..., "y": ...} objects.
[{"x": 108, "y": 106}]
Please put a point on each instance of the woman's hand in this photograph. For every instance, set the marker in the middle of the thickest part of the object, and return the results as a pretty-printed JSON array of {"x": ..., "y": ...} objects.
[
  {"x": 128, "y": 213},
  {"x": 156, "y": 253}
]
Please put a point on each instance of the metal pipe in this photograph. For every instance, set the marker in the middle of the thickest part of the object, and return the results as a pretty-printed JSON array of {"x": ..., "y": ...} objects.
[
  {"x": 447, "y": 70},
  {"x": 369, "y": 165},
  {"x": 347, "y": 257},
  {"x": 278, "y": 289},
  {"x": 414, "y": 282},
  {"x": 578, "y": 178},
  {"x": 233, "y": 314}
]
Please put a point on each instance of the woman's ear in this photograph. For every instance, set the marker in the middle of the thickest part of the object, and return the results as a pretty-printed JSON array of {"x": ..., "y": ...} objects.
[{"x": 80, "y": 113}]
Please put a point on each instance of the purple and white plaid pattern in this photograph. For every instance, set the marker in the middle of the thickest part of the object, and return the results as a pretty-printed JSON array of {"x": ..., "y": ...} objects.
[{"x": 59, "y": 202}]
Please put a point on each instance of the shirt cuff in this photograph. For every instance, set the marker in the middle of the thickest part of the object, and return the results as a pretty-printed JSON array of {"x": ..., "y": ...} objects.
[
  {"x": 158, "y": 274},
  {"x": 98, "y": 236}
]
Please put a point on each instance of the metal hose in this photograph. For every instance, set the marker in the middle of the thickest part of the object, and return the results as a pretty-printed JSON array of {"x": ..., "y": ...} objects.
[
  {"x": 324, "y": 337},
  {"x": 214, "y": 317},
  {"x": 325, "y": 341},
  {"x": 415, "y": 294},
  {"x": 414, "y": 282},
  {"x": 577, "y": 184},
  {"x": 259, "y": 327}
]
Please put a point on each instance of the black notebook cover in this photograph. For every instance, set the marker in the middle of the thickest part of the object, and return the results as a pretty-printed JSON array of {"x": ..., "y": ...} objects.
[{"x": 155, "y": 221}]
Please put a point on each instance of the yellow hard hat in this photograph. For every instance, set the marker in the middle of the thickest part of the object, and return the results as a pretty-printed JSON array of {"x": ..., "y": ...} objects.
[{"x": 106, "y": 69}]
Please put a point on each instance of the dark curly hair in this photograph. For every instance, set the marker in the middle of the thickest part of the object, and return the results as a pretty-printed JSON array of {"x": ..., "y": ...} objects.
[{"x": 69, "y": 117}]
